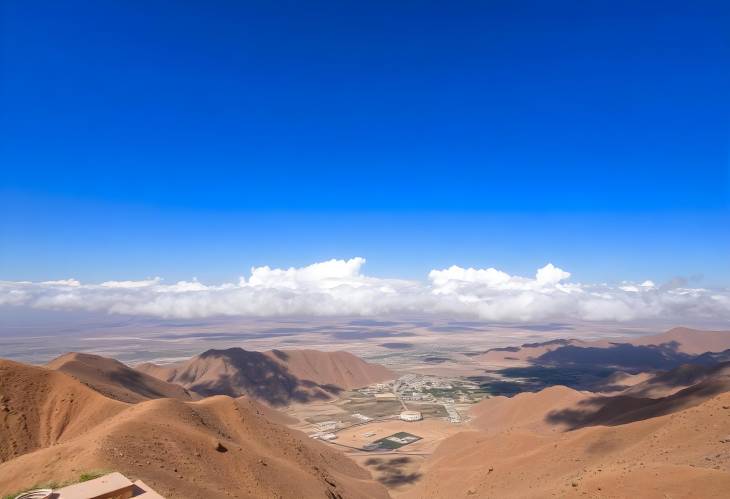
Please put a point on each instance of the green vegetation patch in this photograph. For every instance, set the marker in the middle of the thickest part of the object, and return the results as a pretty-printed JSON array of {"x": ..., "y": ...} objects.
[{"x": 392, "y": 442}]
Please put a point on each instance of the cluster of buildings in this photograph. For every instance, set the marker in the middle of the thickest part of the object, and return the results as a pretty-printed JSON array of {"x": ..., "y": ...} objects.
[
  {"x": 376, "y": 389},
  {"x": 415, "y": 387},
  {"x": 418, "y": 383},
  {"x": 408, "y": 388},
  {"x": 324, "y": 430},
  {"x": 325, "y": 426},
  {"x": 454, "y": 416}
]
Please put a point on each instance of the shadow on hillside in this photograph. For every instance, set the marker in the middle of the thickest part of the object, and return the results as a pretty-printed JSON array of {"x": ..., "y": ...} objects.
[
  {"x": 588, "y": 368},
  {"x": 514, "y": 380},
  {"x": 258, "y": 376},
  {"x": 391, "y": 472},
  {"x": 618, "y": 355},
  {"x": 622, "y": 409},
  {"x": 280, "y": 354},
  {"x": 136, "y": 382}
]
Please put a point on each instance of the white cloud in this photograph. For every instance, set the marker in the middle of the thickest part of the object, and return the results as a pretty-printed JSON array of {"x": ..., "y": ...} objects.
[
  {"x": 339, "y": 287},
  {"x": 63, "y": 282},
  {"x": 130, "y": 284},
  {"x": 550, "y": 274}
]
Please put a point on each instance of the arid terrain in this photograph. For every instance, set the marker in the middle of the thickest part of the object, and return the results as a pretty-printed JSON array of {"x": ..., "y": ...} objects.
[
  {"x": 636, "y": 416},
  {"x": 55, "y": 426}
]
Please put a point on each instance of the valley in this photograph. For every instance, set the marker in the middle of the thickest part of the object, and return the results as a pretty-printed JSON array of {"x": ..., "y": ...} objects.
[{"x": 275, "y": 420}]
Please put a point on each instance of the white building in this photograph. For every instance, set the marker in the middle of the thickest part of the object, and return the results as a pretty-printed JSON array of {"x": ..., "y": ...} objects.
[
  {"x": 326, "y": 426},
  {"x": 411, "y": 416}
]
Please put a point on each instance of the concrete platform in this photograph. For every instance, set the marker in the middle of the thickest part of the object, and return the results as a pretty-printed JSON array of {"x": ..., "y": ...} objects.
[{"x": 111, "y": 486}]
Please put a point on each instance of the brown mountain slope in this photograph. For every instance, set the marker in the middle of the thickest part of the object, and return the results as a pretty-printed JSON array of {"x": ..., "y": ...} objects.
[
  {"x": 670, "y": 382},
  {"x": 40, "y": 407},
  {"x": 341, "y": 369},
  {"x": 525, "y": 410},
  {"x": 621, "y": 409},
  {"x": 559, "y": 408},
  {"x": 523, "y": 353},
  {"x": 620, "y": 382},
  {"x": 218, "y": 447},
  {"x": 684, "y": 454},
  {"x": 278, "y": 377},
  {"x": 116, "y": 380}
]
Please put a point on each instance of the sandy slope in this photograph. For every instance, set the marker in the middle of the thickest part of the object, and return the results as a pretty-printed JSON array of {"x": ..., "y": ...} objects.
[
  {"x": 170, "y": 444},
  {"x": 40, "y": 407},
  {"x": 559, "y": 408},
  {"x": 341, "y": 369},
  {"x": 683, "y": 454},
  {"x": 525, "y": 410},
  {"x": 116, "y": 380},
  {"x": 621, "y": 381},
  {"x": 277, "y": 377},
  {"x": 668, "y": 383}
]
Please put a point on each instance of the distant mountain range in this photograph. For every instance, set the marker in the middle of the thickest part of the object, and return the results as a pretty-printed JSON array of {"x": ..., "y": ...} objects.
[{"x": 663, "y": 351}]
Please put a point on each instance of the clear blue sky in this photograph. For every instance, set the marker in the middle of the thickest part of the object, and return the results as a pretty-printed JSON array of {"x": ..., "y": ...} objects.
[{"x": 189, "y": 139}]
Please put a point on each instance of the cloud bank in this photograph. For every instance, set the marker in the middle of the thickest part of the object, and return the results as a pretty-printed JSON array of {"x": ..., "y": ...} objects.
[{"x": 339, "y": 287}]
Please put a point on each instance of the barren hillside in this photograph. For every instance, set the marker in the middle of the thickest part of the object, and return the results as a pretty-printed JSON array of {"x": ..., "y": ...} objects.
[
  {"x": 560, "y": 442},
  {"x": 116, "y": 380},
  {"x": 217, "y": 447},
  {"x": 277, "y": 377}
]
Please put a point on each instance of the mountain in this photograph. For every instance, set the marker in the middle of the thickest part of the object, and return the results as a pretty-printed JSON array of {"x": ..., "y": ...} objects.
[
  {"x": 667, "y": 350},
  {"x": 40, "y": 407},
  {"x": 620, "y": 381},
  {"x": 667, "y": 383},
  {"x": 687, "y": 340},
  {"x": 523, "y": 353},
  {"x": 116, "y": 380},
  {"x": 341, "y": 369},
  {"x": 58, "y": 427},
  {"x": 525, "y": 410},
  {"x": 633, "y": 405},
  {"x": 562, "y": 443},
  {"x": 277, "y": 377}
]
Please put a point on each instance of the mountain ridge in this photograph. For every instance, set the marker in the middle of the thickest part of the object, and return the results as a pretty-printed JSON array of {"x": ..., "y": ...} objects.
[{"x": 277, "y": 377}]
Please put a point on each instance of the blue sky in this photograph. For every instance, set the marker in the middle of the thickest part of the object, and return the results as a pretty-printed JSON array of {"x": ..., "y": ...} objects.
[{"x": 186, "y": 140}]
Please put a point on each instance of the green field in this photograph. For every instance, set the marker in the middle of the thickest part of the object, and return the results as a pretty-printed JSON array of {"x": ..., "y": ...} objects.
[{"x": 392, "y": 442}]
